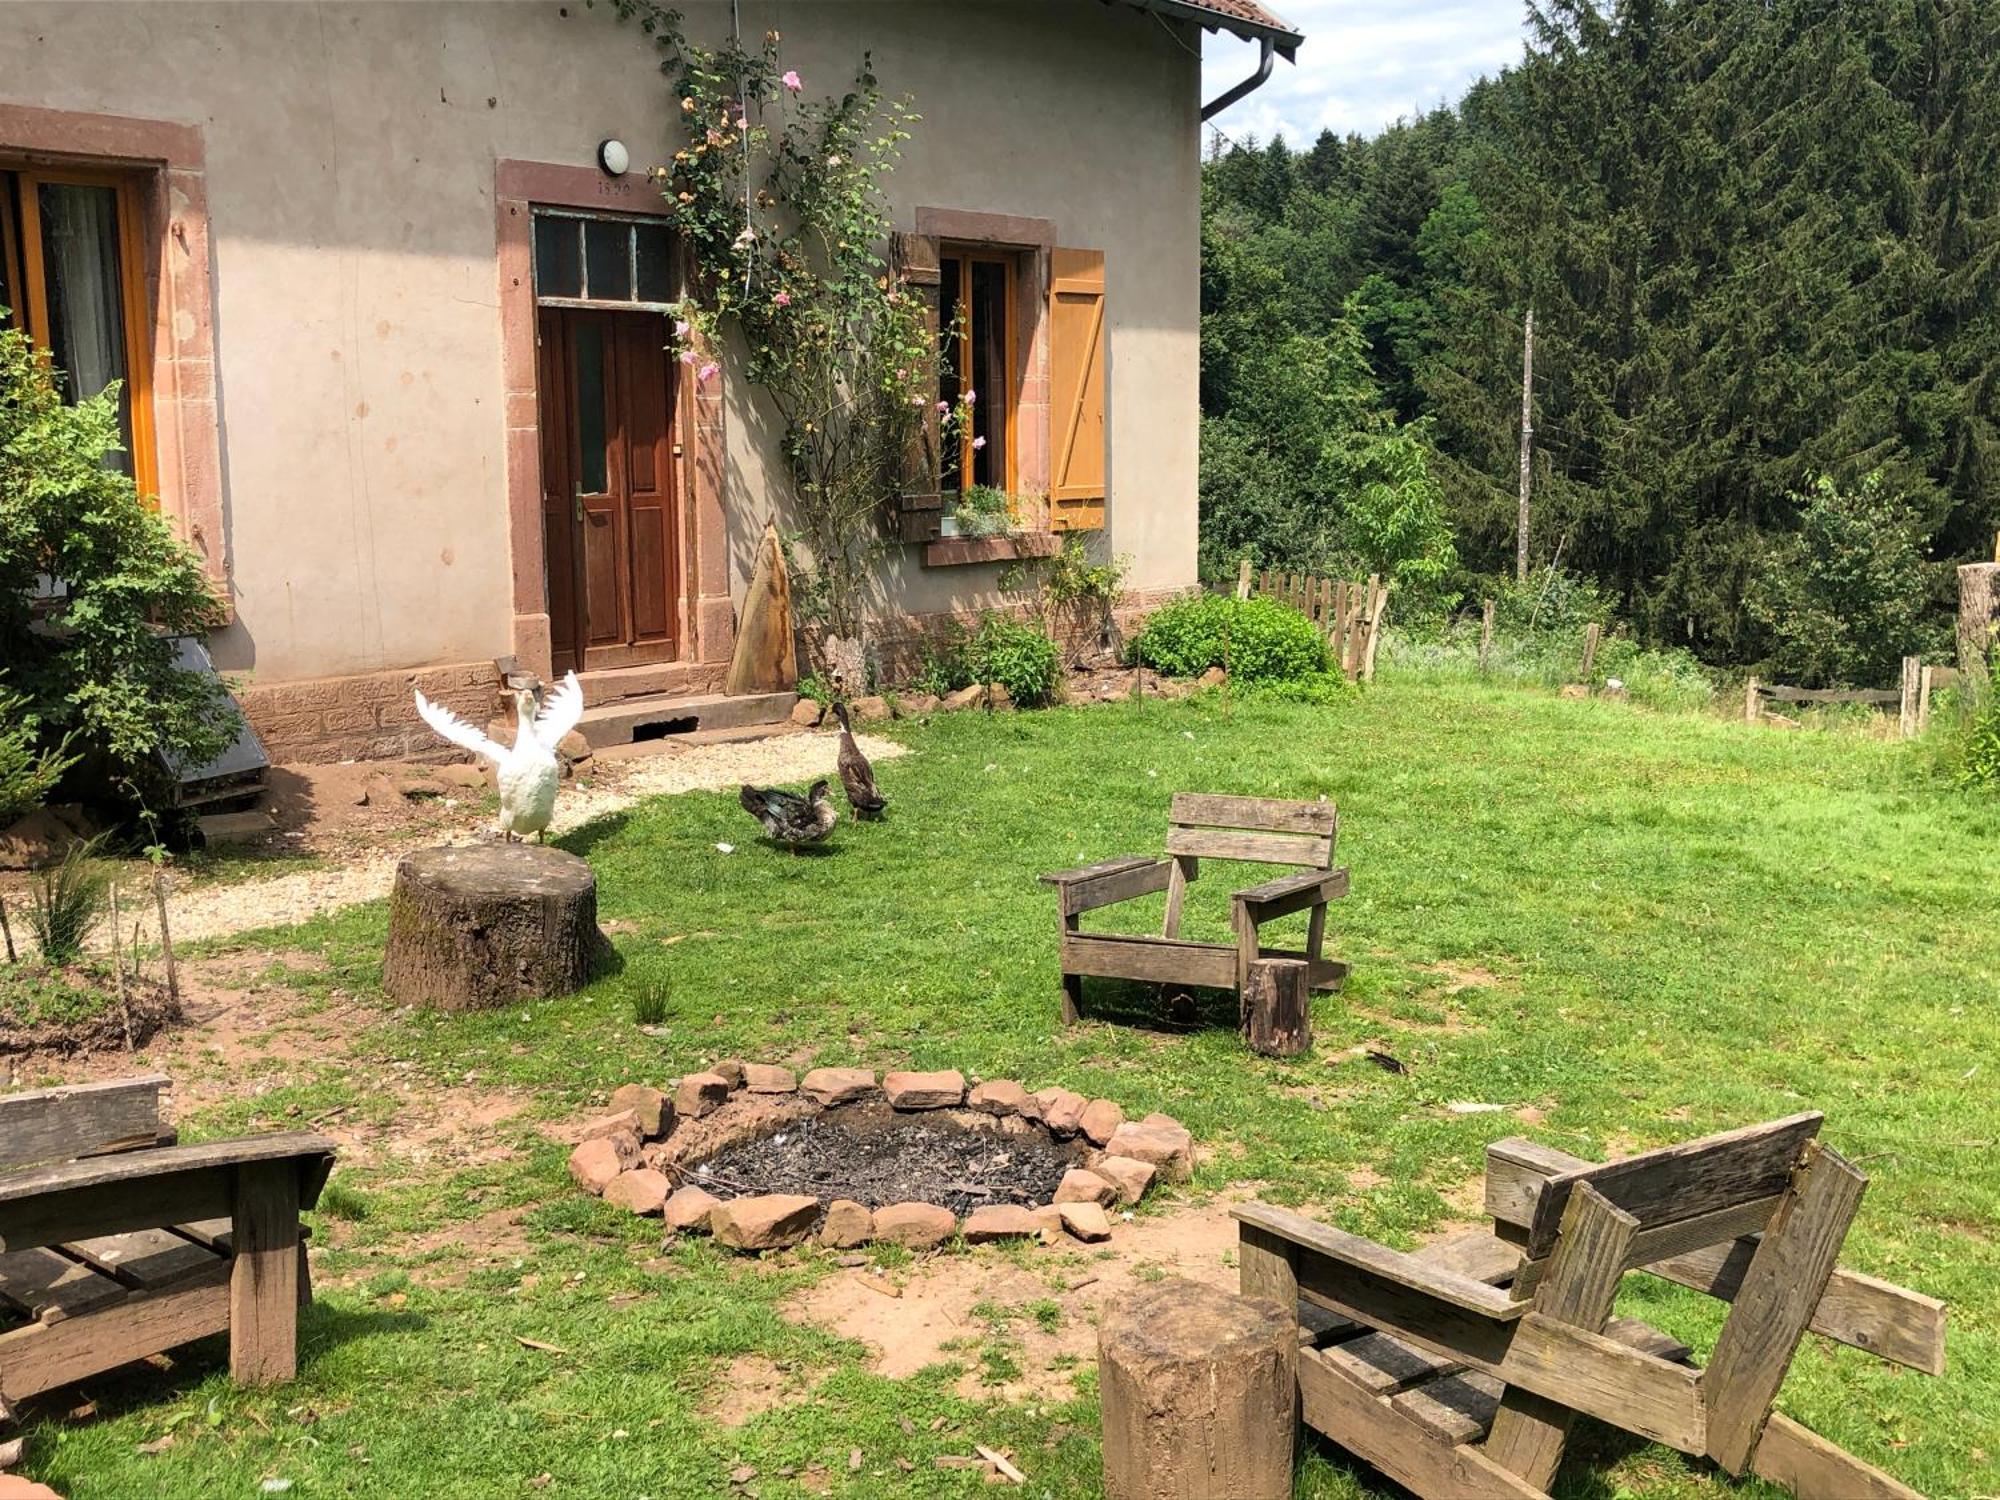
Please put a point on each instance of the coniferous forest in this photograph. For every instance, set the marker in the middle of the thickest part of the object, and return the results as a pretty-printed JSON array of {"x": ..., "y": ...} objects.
[{"x": 1761, "y": 240}]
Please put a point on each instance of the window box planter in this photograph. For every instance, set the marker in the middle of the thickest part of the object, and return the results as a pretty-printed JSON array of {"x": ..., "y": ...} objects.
[{"x": 959, "y": 551}]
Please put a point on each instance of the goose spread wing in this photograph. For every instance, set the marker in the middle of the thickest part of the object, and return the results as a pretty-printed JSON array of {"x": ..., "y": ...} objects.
[
  {"x": 455, "y": 729},
  {"x": 560, "y": 712}
]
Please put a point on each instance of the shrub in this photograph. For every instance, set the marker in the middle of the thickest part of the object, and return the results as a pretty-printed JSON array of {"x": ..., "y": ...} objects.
[
  {"x": 64, "y": 902},
  {"x": 1969, "y": 744},
  {"x": 983, "y": 510},
  {"x": 1321, "y": 690},
  {"x": 1017, "y": 656},
  {"x": 96, "y": 661},
  {"x": 1256, "y": 640},
  {"x": 27, "y": 773}
]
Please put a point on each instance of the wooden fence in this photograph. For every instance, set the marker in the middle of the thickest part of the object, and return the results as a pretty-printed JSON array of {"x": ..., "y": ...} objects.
[
  {"x": 1912, "y": 697},
  {"x": 1348, "y": 614}
]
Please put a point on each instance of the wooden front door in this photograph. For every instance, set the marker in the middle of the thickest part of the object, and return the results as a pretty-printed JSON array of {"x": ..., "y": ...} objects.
[{"x": 609, "y": 507}]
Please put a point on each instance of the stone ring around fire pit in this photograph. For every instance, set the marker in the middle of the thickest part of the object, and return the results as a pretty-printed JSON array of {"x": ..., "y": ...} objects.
[{"x": 764, "y": 1160}]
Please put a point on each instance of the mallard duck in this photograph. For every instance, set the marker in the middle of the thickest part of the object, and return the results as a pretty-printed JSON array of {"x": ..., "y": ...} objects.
[
  {"x": 856, "y": 775},
  {"x": 787, "y": 817},
  {"x": 528, "y": 771}
]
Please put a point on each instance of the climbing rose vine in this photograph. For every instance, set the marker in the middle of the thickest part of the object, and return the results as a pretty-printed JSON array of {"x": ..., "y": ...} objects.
[{"x": 780, "y": 201}]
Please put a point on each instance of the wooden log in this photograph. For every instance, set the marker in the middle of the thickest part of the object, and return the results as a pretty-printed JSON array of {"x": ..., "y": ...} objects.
[
  {"x": 1978, "y": 622},
  {"x": 766, "y": 659},
  {"x": 1276, "y": 1008},
  {"x": 1200, "y": 1395},
  {"x": 481, "y": 927},
  {"x": 1485, "y": 636}
]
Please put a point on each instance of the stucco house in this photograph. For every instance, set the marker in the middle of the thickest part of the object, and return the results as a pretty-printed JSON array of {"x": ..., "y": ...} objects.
[{"x": 388, "y": 324}]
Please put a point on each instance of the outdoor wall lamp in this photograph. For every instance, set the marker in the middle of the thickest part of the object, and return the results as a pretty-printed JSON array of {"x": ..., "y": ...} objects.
[{"x": 613, "y": 157}]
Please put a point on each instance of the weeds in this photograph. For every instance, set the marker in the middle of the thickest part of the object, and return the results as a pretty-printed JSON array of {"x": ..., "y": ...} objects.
[{"x": 65, "y": 901}]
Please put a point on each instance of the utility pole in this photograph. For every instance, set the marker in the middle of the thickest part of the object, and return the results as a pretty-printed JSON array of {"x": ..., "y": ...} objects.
[{"x": 1527, "y": 443}]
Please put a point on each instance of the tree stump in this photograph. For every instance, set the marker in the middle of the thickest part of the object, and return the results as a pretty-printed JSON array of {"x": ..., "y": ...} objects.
[
  {"x": 483, "y": 926},
  {"x": 1200, "y": 1396},
  {"x": 1277, "y": 1007},
  {"x": 1978, "y": 622}
]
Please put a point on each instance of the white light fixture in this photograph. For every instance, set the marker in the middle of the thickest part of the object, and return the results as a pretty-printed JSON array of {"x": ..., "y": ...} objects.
[{"x": 613, "y": 157}]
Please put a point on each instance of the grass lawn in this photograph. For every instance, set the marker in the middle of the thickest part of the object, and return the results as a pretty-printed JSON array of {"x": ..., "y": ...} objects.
[{"x": 1677, "y": 924}]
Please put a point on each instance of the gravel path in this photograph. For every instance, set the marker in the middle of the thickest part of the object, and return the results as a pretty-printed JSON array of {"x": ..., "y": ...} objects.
[{"x": 216, "y": 910}]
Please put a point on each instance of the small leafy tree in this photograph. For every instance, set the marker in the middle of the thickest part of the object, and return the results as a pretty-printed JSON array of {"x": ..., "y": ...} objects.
[
  {"x": 92, "y": 585},
  {"x": 781, "y": 204},
  {"x": 1845, "y": 596},
  {"x": 28, "y": 771}
]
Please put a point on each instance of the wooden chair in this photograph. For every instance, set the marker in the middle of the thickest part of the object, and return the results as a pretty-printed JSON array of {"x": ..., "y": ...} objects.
[
  {"x": 1456, "y": 1370},
  {"x": 1237, "y": 828},
  {"x": 116, "y": 1243}
]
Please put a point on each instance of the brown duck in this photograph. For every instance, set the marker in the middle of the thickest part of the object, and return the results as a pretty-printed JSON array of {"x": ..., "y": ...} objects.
[
  {"x": 856, "y": 774},
  {"x": 792, "y": 820}
]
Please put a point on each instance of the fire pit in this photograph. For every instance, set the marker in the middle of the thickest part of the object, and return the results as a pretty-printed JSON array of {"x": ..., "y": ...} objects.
[{"x": 763, "y": 1160}]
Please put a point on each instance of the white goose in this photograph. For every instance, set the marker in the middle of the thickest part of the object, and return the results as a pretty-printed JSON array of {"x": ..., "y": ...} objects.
[{"x": 528, "y": 772}]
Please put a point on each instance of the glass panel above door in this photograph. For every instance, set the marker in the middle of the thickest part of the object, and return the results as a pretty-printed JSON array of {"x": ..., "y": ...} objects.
[{"x": 597, "y": 261}]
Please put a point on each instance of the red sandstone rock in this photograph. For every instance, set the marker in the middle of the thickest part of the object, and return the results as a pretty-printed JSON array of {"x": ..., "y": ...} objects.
[
  {"x": 1080, "y": 1186},
  {"x": 688, "y": 1209},
  {"x": 769, "y": 1221},
  {"x": 1062, "y": 1110},
  {"x": 847, "y": 1225},
  {"x": 622, "y": 1126},
  {"x": 730, "y": 1071},
  {"x": 916, "y": 1226},
  {"x": 1087, "y": 1221},
  {"x": 595, "y": 1164},
  {"x": 700, "y": 1094},
  {"x": 762, "y": 1078},
  {"x": 924, "y": 1090},
  {"x": 642, "y": 1190},
  {"x": 1000, "y": 1096},
  {"x": 1165, "y": 1145},
  {"x": 916, "y": 705},
  {"x": 1130, "y": 1176},
  {"x": 1100, "y": 1118},
  {"x": 1000, "y": 1221},
  {"x": 1048, "y": 1222},
  {"x": 836, "y": 1085},
  {"x": 17, "y": 1487},
  {"x": 805, "y": 713},
  {"x": 870, "y": 710},
  {"x": 965, "y": 697},
  {"x": 652, "y": 1109}
]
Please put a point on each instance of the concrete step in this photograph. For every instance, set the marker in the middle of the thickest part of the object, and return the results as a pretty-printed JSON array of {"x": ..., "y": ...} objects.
[
  {"x": 666, "y": 716},
  {"x": 658, "y": 680},
  {"x": 675, "y": 744}
]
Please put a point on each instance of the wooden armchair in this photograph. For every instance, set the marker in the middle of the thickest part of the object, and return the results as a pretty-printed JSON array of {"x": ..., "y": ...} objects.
[
  {"x": 1236, "y": 828},
  {"x": 116, "y": 1243},
  {"x": 1456, "y": 1370}
]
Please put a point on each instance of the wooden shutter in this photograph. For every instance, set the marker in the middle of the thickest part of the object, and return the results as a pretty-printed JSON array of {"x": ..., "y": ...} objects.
[
  {"x": 915, "y": 259},
  {"x": 1078, "y": 462}
]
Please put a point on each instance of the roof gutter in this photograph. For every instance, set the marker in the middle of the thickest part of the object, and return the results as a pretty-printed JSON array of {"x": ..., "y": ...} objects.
[{"x": 1249, "y": 85}]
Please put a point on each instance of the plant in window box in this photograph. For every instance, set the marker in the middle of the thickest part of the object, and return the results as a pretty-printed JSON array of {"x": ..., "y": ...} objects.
[
  {"x": 983, "y": 510},
  {"x": 781, "y": 202}
]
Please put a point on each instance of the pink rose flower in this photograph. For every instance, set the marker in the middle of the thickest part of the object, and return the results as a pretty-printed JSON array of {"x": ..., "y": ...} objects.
[
  {"x": 970, "y": 397},
  {"x": 978, "y": 443},
  {"x": 783, "y": 299},
  {"x": 707, "y": 372},
  {"x": 792, "y": 81},
  {"x": 680, "y": 328},
  {"x": 687, "y": 356},
  {"x": 944, "y": 406}
]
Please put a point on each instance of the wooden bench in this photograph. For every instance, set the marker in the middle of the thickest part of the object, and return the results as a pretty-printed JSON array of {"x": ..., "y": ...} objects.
[
  {"x": 116, "y": 1243},
  {"x": 1456, "y": 1370},
  {"x": 1299, "y": 834}
]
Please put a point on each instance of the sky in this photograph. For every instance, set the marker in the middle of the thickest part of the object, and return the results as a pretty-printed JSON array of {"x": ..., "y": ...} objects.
[{"x": 1364, "y": 64}]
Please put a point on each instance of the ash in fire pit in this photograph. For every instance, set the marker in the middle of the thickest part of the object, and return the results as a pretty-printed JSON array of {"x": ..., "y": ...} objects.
[{"x": 876, "y": 1156}]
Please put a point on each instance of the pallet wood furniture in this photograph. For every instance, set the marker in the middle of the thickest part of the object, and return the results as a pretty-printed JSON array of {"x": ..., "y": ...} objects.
[
  {"x": 116, "y": 1243},
  {"x": 1456, "y": 1371},
  {"x": 1256, "y": 829}
]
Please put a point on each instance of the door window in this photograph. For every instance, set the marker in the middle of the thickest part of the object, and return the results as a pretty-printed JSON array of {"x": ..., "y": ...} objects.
[{"x": 586, "y": 260}]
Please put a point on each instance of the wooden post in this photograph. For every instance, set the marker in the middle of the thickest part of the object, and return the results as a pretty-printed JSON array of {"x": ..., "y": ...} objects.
[
  {"x": 1276, "y": 1007},
  {"x": 1199, "y": 1391},
  {"x": 1913, "y": 673},
  {"x": 1337, "y": 640},
  {"x": 1591, "y": 632},
  {"x": 1978, "y": 624},
  {"x": 1375, "y": 633},
  {"x": 166, "y": 940},
  {"x": 264, "y": 1274},
  {"x": 7, "y": 933},
  {"x": 1750, "y": 701},
  {"x": 1527, "y": 444},
  {"x": 1243, "y": 579},
  {"x": 118, "y": 973},
  {"x": 1485, "y": 636},
  {"x": 1924, "y": 685}
]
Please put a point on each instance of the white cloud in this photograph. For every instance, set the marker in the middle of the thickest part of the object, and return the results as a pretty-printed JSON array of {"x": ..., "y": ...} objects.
[{"x": 1364, "y": 64}]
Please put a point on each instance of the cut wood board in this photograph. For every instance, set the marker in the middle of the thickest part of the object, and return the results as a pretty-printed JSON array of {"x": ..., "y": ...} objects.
[{"x": 766, "y": 659}]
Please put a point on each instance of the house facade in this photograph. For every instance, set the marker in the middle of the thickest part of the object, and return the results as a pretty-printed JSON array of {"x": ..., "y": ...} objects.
[{"x": 389, "y": 325}]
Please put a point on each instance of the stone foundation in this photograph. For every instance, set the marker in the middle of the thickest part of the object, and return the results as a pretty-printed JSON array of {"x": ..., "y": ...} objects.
[
  {"x": 898, "y": 644},
  {"x": 368, "y": 717}
]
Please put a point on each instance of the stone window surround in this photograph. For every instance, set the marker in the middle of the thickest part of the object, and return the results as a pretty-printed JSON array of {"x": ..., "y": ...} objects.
[
  {"x": 708, "y": 621},
  {"x": 168, "y": 161}
]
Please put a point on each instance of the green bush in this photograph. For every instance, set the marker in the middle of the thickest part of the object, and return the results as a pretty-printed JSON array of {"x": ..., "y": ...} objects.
[
  {"x": 1018, "y": 657},
  {"x": 1256, "y": 640},
  {"x": 95, "y": 662},
  {"x": 1968, "y": 742},
  {"x": 27, "y": 772},
  {"x": 1321, "y": 690}
]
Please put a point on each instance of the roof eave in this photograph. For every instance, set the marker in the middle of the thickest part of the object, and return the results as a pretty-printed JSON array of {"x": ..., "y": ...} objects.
[{"x": 1283, "y": 36}]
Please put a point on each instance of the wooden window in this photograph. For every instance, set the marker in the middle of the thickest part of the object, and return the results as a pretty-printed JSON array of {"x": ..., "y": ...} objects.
[
  {"x": 1078, "y": 467},
  {"x": 977, "y": 297},
  {"x": 72, "y": 272},
  {"x": 592, "y": 260}
]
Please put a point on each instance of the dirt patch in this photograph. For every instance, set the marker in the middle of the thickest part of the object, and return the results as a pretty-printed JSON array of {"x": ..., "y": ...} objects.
[
  {"x": 1463, "y": 976},
  {"x": 934, "y": 1319},
  {"x": 750, "y": 1387},
  {"x": 870, "y": 1153},
  {"x": 67, "y": 1011}
]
